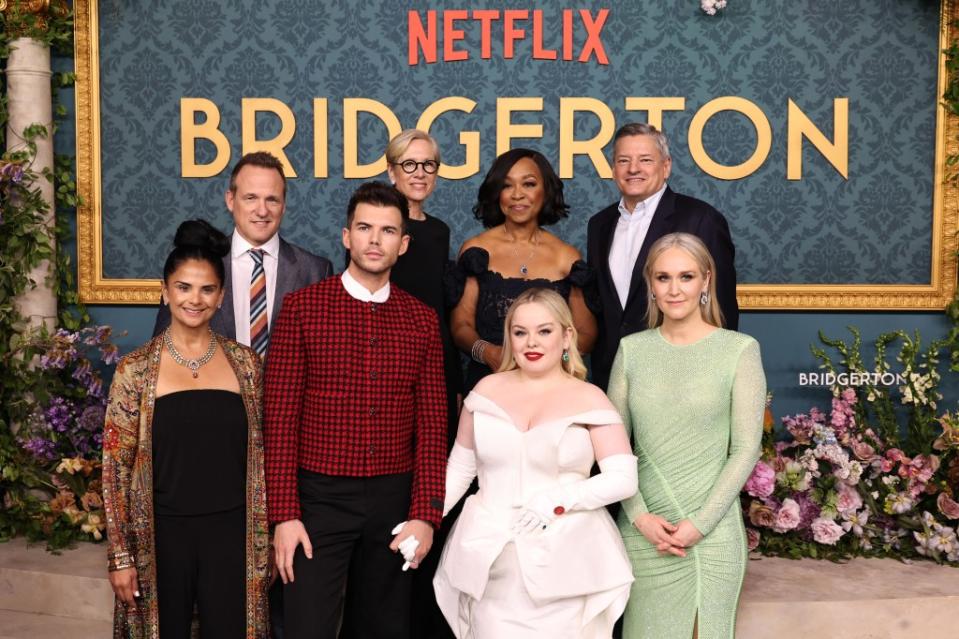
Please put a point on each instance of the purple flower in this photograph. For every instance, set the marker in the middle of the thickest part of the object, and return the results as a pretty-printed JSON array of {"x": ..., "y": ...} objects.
[
  {"x": 92, "y": 418},
  {"x": 40, "y": 448},
  {"x": 59, "y": 414},
  {"x": 808, "y": 510}
]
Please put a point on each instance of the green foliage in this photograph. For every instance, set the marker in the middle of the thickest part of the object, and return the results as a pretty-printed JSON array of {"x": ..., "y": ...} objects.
[{"x": 26, "y": 485}]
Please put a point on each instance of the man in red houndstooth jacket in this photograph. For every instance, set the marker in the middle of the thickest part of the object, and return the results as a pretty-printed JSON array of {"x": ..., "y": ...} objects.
[{"x": 355, "y": 434}]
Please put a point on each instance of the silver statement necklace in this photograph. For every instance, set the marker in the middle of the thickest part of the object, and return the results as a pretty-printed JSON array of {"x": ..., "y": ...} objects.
[
  {"x": 523, "y": 269},
  {"x": 193, "y": 364}
]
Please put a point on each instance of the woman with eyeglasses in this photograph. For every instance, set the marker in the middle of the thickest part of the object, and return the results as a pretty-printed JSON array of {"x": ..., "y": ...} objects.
[{"x": 413, "y": 159}]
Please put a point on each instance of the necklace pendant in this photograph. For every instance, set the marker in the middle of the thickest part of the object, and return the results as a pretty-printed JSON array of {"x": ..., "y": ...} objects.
[
  {"x": 194, "y": 366},
  {"x": 523, "y": 269}
]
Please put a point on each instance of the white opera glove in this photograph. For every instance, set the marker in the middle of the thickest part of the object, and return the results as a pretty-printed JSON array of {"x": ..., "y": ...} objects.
[
  {"x": 617, "y": 480},
  {"x": 407, "y": 547},
  {"x": 460, "y": 471}
]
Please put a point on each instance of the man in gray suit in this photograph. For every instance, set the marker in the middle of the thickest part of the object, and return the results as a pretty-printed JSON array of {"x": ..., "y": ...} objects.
[{"x": 257, "y": 200}]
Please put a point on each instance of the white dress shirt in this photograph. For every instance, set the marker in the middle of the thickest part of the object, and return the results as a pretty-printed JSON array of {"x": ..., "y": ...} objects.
[
  {"x": 360, "y": 292},
  {"x": 242, "y": 271},
  {"x": 628, "y": 238}
]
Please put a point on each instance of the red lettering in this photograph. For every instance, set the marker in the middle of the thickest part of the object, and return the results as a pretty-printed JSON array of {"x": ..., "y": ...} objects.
[
  {"x": 567, "y": 34},
  {"x": 539, "y": 53},
  {"x": 510, "y": 34},
  {"x": 451, "y": 35},
  {"x": 419, "y": 39},
  {"x": 593, "y": 43},
  {"x": 486, "y": 18}
]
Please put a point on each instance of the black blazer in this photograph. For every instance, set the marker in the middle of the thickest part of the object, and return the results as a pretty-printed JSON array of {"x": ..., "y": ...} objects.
[
  {"x": 296, "y": 268},
  {"x": 675, "y": 213}
]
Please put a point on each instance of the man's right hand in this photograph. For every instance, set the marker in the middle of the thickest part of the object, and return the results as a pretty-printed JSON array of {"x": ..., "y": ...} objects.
[{"x": 286, "y": 537}]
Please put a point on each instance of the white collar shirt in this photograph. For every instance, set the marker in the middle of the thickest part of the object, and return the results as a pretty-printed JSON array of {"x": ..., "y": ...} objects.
[
  {"x": 631, "y": 229},
  {"x": 360, "y": 292},
  {"x": 242, "y": 274}
]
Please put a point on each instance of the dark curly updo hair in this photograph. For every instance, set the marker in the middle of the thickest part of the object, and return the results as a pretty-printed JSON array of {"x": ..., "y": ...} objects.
[
  {"x": 197, "y": 240},
  {"x": 487, "y": 209}
]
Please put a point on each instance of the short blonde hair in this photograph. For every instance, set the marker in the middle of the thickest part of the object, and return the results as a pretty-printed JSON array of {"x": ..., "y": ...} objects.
[
  {"x": 398, "y": 145},
  {"x": 559, "y": 309},
  {"x": 697, "y": 250}
]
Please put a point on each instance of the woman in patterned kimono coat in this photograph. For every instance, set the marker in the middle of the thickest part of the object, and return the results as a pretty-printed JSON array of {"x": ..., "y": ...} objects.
[{"x": 183, "y": 467}]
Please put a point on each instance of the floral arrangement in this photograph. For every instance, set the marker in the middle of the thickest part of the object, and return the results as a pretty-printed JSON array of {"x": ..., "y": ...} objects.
[
  {"x": 52, "y": 477},
  {"x": 712, "y": 6},
  {"x": 852, "y": 483}
]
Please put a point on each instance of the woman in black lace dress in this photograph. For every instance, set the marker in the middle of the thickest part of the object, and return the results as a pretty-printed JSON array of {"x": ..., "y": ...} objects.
[{"x": 520, "y": 195}]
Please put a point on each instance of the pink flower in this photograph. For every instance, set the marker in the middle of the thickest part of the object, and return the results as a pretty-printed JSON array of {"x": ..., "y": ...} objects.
[
  {"x": 826, "y": 531},
  {"x": 863, "y": 451},
  {"x": 894, "y": 455},
  {"x": 762, "y": 481},
  {"x": 848, "y": 499},
  {"x": 752, "y": 539},
  {"x": 788, "y": 516},
  {"x": 849, "y": 395},
  {"x": 947, "y": 506}
]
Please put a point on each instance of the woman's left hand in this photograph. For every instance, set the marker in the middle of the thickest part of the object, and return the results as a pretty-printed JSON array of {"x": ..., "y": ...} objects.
[{"x": 687, "y": 533}]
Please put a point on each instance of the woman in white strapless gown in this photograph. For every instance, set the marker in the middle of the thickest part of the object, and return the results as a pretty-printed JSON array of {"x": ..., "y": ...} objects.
[{"x": 534, "y": 553}]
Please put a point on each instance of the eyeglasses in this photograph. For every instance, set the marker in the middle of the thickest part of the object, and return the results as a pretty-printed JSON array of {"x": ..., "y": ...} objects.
[{"x": 409, "y": 166}]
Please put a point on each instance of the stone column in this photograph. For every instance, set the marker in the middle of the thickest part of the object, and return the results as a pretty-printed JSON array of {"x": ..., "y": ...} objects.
[{"x": 30, "y": 102}]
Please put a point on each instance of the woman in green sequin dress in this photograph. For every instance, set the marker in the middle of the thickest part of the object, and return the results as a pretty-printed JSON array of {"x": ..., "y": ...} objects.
[{"x": 692, "y": 396}]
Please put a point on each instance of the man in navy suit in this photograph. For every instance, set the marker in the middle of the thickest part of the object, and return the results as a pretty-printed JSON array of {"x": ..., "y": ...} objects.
[
  {"x": 257, "y": 200},
  {"x": 619, "y": 237}
]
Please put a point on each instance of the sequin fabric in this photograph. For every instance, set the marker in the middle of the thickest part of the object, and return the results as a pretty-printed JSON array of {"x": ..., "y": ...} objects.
[
  {"x": 128, "y": 486},
  {"x": 694, "y": 414}
]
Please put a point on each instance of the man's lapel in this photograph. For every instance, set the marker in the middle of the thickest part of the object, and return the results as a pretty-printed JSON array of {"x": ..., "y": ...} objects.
[
  {"x": 286, "y": 276},
  {"x": 659, "y": 227}
]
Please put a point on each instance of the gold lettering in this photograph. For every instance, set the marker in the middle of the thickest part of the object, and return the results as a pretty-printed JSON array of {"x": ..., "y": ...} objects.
[
  {"x": 190, "y": 132},
  {"x": 469, "y": 139},
  {"x": 655, "y": 107},
  {"x": 593, "y": 147},
  {"x": 249, "y": 107},
  {"x": 836, "y": 152},
  {"x": 764, "y": 137},
  {"x": 321, "y": 138},
  {"x": 352, "y": 107},
  {"x": 506, "y": 130}
]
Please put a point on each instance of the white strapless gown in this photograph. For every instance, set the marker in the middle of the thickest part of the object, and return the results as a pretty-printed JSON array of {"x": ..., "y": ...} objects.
[{"x": 570, "y": 580}]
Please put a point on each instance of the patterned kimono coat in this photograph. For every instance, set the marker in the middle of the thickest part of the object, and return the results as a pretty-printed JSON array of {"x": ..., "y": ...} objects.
[{"x": 128, "y": 486}]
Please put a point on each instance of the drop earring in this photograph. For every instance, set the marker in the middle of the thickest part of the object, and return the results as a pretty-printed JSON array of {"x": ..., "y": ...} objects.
[{"x": 704, "y": 298}]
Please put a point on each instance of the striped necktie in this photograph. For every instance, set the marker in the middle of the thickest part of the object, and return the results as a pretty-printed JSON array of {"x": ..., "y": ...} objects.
[{"x": 259, "y": 328}]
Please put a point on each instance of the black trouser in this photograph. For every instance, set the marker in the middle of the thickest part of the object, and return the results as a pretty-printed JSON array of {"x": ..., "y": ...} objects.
[
  {"x": 201, "y": 560},
  {"x": 349, "y": 520}
]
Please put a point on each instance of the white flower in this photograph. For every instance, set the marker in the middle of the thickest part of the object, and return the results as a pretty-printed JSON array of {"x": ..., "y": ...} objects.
[{"x": 855, "y": 521}]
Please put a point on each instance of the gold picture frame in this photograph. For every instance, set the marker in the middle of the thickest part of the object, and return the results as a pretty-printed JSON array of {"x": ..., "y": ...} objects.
[{"x": 96, "y": 289}]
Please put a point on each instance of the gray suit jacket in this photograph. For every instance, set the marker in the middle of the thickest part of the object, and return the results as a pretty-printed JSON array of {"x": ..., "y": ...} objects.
[{"x": 296, "y": 268}]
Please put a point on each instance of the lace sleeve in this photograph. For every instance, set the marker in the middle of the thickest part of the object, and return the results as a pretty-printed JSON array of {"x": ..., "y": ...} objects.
[{"x": 746, "y": 429}]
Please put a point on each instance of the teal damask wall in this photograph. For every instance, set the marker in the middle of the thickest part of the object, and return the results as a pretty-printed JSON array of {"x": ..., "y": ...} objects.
[{"x": 871, "y": 228}]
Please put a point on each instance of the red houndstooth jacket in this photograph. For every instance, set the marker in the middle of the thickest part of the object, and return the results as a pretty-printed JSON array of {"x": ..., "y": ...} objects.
[{"x": 354, "y": 389}]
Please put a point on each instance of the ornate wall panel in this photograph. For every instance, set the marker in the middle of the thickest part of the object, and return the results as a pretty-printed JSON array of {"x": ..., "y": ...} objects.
[{"x": 883, "y": 238}]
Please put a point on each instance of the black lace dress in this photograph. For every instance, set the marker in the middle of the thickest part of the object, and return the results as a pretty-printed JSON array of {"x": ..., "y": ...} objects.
[{"x": 496, "y": 294}]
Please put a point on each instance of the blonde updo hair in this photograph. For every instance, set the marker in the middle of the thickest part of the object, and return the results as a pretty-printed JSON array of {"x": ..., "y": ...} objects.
[
  {"x": 398, "y": 145},
  {"x": 558, "y": 308},
  {"x": 694, "y": 247}
]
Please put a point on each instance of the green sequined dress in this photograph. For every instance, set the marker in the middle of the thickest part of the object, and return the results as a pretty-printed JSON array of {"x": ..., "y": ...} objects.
[{"x": 694, "y": 414}]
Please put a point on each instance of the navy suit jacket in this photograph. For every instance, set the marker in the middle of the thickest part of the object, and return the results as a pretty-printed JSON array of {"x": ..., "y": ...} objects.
[
  {"x": 675, "y": 213},
  {"x": 296, "y": 268}
]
